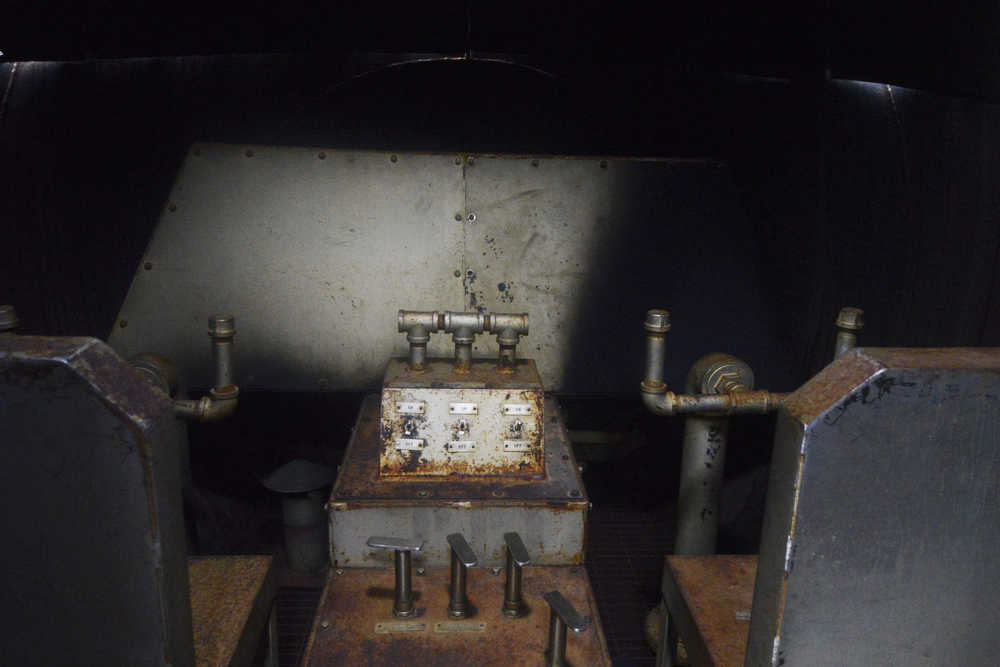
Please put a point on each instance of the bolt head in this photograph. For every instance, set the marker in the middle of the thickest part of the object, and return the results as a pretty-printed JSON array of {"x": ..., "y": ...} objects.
[
  {"x": 324, "y": 624},
  {"x": 421, "y": 571},
  {"x": 851, "y": 318},
  {"x": 657, "y": 321}
]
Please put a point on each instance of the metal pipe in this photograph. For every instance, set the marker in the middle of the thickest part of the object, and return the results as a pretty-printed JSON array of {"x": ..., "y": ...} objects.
[
  {"x": 463, "y": 338},
  {"x": 702, "y": 464},
  {"x": 657, "y": 325},
  {"x": 507, "y": 341},
  {"x": 222, "y": 398},
  {"x": 449, "y": 321},
  {"x": 418, "y": 337},
  {"x": 402, "y": 606},
  {"x": 556, "y": 655},
  {"x": 745, "y": 402},
  {"x": 850, "y": 320}
]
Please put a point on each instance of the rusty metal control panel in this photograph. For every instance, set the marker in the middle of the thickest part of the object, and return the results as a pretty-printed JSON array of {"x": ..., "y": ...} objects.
[
  {"x": 458, "y": 517},
  {"x": 442, "y": 421},
  {"x": 445, "y": 418}
]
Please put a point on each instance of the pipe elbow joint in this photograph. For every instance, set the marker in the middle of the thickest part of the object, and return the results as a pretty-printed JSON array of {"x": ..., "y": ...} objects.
[{"x": 657, "y": 399}]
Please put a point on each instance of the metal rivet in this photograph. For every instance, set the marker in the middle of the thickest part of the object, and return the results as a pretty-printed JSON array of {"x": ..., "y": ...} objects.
[
  {"x": 604, "y": 164},
  {"x": 534, "y": 163},
  {"x": 472, "y": 217},
  {"x": 421, "y": 571},
  {"x": 123, "y": 323},
  {"x": 324, "y": 624},
  {"x": 423, "y": 493},
  {"x": 249, "y": 153},
  {"x": 322, "y": 155},
  {"x": 339, "y": 572},
  {"x": 172, "y": 207},
  {"x": 458, "y": 217},
  {"x": 495, "y": 570},
  {"x": 147, "y": 266},
  {"x": 393, "y": 158}
]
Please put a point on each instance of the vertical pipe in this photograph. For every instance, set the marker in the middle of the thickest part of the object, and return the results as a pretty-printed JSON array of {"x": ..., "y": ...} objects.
[
  {"x": 850, "y": 320},
  {"x": 702, "y": 465},
  {"x": 403, "y": 604},
  {"x": 457, "y": 604},
  {"x": 463, "y": 338},
  {"x": 222, "y": 328},
  {"x": 417, "y": 337},
  {"x": 556, "y": 655},
  {"x": 657, "y": 325}
]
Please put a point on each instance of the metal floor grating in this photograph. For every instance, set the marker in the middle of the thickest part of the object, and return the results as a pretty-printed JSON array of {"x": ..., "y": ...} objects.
[
  {"x": 625, "y": 552},
  {"x": 296, "y": 608}
]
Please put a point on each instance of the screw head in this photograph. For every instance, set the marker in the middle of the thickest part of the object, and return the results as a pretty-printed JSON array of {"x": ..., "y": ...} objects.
[
  {"x": 421, "y": 571},
  {"x": 393, "y": 158},
  {"x": 338, "y": 572},
  {"x": 495, "y": 570},
  {"x": 472, "y": 217},
  {"x": 657, "y": 321},
  {"x": 322, "y": 155},
  {"x": 851, "y": 318},
  {"x": 324, "y": 624}
]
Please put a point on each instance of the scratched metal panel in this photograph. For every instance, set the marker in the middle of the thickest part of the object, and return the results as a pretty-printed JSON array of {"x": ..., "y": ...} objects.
[
  {"x": 313, "y": 256},
  {"x": 883, "y": 515}
]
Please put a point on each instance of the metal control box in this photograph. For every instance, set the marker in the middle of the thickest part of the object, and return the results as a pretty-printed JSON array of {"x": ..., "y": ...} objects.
[{"x": 442, "y": 422}]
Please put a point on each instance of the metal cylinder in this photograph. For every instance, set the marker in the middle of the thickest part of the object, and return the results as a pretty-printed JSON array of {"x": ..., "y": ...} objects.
[
  {"x": 702, "y": 464},
  {"x": 457, "y": 605},
  {"x": 657, "y": 324},
  {"x": 402, "y": 606},
  {"x": 306, "y": 531},
  {"x": 850, "y": 320},
  {"x": 222, "y": 329},
  {"x": 418, "y": 337},
  {"x": 512, "y": 604},
  {"x": 555, "y": 656},
  {"x": 463, "y": 338}
]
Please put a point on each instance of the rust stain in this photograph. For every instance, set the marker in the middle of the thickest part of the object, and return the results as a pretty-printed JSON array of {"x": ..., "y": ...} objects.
[
  {"x": 715, "y": 593},
  {"x": 352, "y": 614}
]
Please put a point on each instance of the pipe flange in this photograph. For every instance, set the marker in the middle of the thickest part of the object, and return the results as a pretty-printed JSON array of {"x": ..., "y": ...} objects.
[
  {"x": 227, "y": 393},
  {"x": 657, "y": 321},
  {"x": 851, "y": 319},
  {"x": 417, "y": 335},
  {"x": 508, "y": 337}
]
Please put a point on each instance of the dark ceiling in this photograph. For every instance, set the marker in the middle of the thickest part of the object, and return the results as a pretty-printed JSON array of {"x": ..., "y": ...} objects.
[{"x": 944, "y": 50}]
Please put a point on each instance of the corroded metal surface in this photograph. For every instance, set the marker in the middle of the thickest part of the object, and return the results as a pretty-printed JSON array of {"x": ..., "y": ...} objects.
[
  {"x": 96, "y": 449},
  {"x": 467, "y": 444},
  {"x": 881, "y": 525},
  {"x": 709, "y": 600},
  {"x": 231, "y": 597},
  {"x": 549, "y": 513},
  {"x": 355, "y": 603}
]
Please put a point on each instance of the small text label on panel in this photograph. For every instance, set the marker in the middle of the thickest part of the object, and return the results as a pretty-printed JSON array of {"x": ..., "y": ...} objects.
[
  {"x": 409, "y": 444},
  {"x": 457, "y": 446},
  {"x": 410, "y": 407},
  {"x": 463, "y": 408},
  {"x": 516, "y": 409},
  {"x": 516, "y": 445}
]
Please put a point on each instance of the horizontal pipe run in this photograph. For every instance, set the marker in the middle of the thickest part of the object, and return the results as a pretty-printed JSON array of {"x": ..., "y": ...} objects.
[{"x": 668, "y": 403}]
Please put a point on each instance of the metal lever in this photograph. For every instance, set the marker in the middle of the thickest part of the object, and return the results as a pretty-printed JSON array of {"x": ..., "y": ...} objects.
[
  {"x": 402, "y": 606},
  {"x": 517, "y": 557},
  {"x": 462, "y": 558},
  {"x": 562, "y": 615}
]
